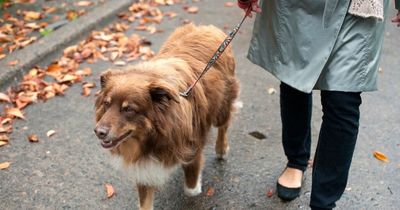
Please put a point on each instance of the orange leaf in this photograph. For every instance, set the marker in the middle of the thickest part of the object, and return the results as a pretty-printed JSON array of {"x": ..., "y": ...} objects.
[
  {"x": 110, "y": 190},
  {"x": 86, "y": 91},
  {"x": 4, "y": 165},
  {"x": 33, "y": 138},
  {"x": 210, "y": 192},
  {"x": 270, "y": 192},
  {"x": 380, "y": 156},
  {"x": 50, "y": 133},
  {"x": 31, "y": 15},
  {"x": 4, "y": 97},
  {"x": 13, "y": 63},
  {"x": 54, "y": 68},
  {"x": 14, "y": 112}
]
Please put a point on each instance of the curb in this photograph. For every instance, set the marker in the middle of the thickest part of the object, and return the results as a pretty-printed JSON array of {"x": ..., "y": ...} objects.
[{"x": 46, "y": 46}]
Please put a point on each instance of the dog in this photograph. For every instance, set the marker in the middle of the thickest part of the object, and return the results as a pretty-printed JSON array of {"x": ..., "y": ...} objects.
[{"x": 149, "y": 129}]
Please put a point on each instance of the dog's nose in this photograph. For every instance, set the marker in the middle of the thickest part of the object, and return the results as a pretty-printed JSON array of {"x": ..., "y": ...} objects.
[{"x": 101, "y": 132}]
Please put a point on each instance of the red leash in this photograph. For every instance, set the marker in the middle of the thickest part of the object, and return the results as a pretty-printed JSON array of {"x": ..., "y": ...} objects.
[{"x": 217, "y": 53}]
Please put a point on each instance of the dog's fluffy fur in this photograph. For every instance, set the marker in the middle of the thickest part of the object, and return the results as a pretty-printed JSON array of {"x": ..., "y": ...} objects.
[{"x": 149, "y": 128}]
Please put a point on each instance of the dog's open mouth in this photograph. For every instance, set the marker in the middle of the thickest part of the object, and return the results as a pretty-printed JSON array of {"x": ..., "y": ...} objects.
[{"x": 110, "y": 144}]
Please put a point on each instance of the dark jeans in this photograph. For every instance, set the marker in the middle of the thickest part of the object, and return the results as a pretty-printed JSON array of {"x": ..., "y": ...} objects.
[{"x": 337, "y": 139}]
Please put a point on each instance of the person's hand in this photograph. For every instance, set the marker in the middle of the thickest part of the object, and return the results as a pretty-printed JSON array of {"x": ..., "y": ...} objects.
[
  {"x": 396, "y": 19},
  {"x": 249, "y": 6}
]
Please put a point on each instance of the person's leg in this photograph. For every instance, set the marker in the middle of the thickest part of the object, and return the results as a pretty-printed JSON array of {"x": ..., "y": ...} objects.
[
  {"x": 296, "y": 109},
  {"x": 335, "y": 148}
]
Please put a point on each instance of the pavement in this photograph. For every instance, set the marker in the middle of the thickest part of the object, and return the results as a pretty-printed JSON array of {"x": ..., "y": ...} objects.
[{"x": 69, "y": 170}]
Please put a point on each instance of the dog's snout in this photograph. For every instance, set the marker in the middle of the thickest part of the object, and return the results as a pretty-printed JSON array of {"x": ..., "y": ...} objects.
[{"x": 101, "y": 132}]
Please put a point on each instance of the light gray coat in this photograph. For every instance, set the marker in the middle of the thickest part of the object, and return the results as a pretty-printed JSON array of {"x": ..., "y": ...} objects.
[{"x": 316, "y": 44}]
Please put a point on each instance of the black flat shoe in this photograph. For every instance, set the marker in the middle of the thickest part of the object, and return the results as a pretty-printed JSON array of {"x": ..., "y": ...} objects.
[{"x": 286, "y": 193}]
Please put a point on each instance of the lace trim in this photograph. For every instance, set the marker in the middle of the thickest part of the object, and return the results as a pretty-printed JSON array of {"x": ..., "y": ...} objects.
[{"x": 367, "y": 8}]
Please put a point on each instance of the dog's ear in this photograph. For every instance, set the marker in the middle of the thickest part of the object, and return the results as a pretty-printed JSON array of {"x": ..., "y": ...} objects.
[
  {"x": 104, "y": 77},
  {"x": 162, "y": 93}
]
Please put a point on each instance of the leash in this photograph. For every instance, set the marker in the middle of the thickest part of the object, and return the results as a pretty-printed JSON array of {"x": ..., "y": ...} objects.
[{"x": 217, "y": 53}]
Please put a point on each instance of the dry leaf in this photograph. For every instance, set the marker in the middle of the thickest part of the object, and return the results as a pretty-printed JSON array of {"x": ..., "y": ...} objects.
[
  {"x": 14, "y": 112},
  {"x": 120, "y": 63},
  {"x": 258, "y": 135},
  {"x": 50, "y": 133},
  {"x": 192, "y": 10},
  {"x": 380, "y": 156},
  {"x": 33, "y": 138},
  {"x": 210, "y": 192},
  {"x": 86, "y": 91},
  {"x": 271, "y": 91},
  {"x": 2, "y": 143},
  {"x": 13, "y": 63},
  {"x": 68, "y": 78},
  {"x": 110, "y": 190},
  {"x": 84, "y": 72},
  {"x": 229, "y": 4},
  {"x": 4, "y": 97},
  {"x": 84, "y": 3},
  {"x": 270, "y": 192},
  {"x": 4, "y": 138},
  {"x": 4, "y": 165},
  {"x": 31, "y": 15}
]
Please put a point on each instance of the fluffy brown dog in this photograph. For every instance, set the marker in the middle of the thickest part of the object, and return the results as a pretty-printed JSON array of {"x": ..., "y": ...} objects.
[{"x": 149, "y": 128}]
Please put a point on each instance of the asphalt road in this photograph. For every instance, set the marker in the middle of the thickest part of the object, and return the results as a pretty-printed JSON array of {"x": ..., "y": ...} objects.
[{"x": 68, "y": 170}]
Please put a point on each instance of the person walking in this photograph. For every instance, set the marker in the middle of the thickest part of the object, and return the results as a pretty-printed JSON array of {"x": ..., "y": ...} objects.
[{"x": 328, "y": 45}]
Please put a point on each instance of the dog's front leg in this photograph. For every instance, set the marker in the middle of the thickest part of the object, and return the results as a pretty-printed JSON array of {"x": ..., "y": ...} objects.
[{"x": 146, "y": 195}]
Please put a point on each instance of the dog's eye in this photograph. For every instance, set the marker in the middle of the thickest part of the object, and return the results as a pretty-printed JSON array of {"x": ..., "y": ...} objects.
[
  {"x": 106, "y": 103},
  {"x": 127, "y": 109}
]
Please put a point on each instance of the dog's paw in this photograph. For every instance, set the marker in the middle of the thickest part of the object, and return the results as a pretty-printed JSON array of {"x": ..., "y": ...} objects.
[
  {"x": 193, "y": 191},
  {"x": 222, "y": 155}
]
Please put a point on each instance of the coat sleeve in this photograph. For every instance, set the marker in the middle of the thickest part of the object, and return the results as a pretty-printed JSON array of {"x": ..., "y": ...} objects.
[{"x": 397, "y": 4}]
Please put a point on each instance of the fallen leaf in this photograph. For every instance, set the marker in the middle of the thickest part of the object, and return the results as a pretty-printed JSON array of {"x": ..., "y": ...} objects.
[
  {"x": 50, "y": 133},
  {"x": 2, "y": 56},
  {"x": 192, "y": 10},
  {"x": 83, "y": 3},
  {"x": 120, "y": 63},
  {"x": 4, "y": 165},
  {"x": 14, "y": 112},
  {"x": 68, "y": 78},
  {"x": 4, "y": 97},
  {"x": 32, "y": 25},
  {"x": 210, "y": 192},
  {"x": 13, "y": 63},
  {"x": 84, "y": 72},
  {"x": 33, "y": 138},
  {"x": 257, "y": 135},
  {"x": 86, "y": 91},
  {"x": 2, "y": 143},
  {"x": 31, "y": 15},
  {"x": 72, "y": 15},
  {"x": 270, "y": 192},
  {"x": 89, "y": 85},
  {"x": 4, "y": 138},
  {"x": 380, "y": 156},
  {"x": 110, "y": 190},
  {"x": 271, "y": 91},
  {"x": 229, "y": 4}
]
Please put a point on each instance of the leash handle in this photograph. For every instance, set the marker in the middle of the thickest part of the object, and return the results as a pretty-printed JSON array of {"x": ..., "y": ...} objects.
[{"x": 217, "y": 54}]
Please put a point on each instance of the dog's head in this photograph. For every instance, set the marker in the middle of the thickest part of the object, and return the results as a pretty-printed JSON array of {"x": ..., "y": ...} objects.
[{"x": 127, "y": 107}]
